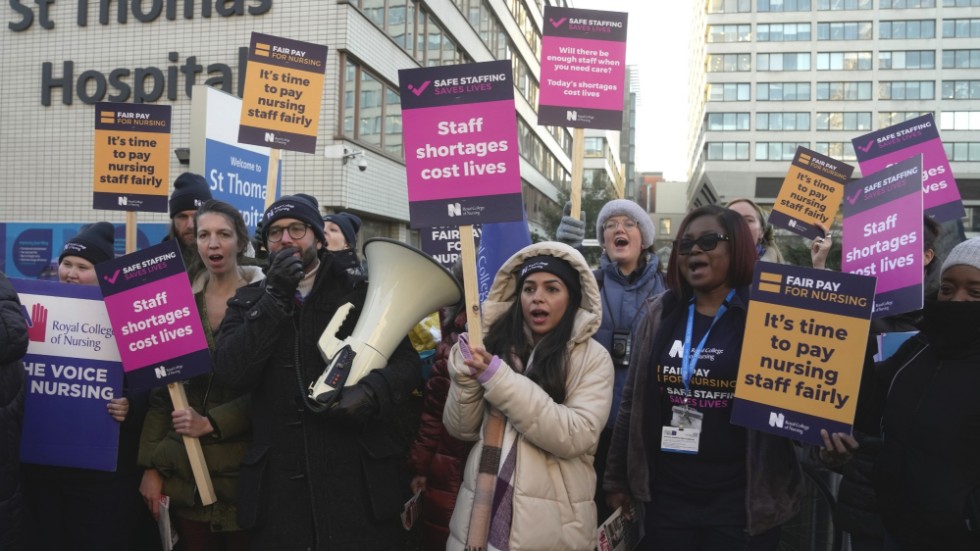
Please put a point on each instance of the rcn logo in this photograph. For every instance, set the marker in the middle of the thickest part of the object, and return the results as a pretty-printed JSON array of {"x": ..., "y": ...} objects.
[
  {"x": 454, "y": 209},
  {"x": 677, "y": 350},
  {"x": 571, "y": 115},
  {"x": 270, "y": 137},
  {"x": 123, "y": 201},
  {"x": 792, "y": 223},
  {"x": 160, "y": 371},
  {"x": 776, "y": 419}
]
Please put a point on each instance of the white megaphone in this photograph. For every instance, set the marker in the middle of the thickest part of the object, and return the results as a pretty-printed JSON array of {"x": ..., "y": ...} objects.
[{"x": 405, "y": 285}]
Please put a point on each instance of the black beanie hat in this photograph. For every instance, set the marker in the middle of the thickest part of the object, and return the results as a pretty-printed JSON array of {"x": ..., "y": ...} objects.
[
  {"x": 349, "y": 225},
  {"x": 302, "y": 207},
  {"x": 553, "y": 265},
  {"x": 190, "y": 192},
  {"x": 95, "y": 243}
]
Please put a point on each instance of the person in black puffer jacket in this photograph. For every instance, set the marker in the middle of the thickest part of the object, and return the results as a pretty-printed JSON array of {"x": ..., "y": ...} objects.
[{"x": 13, "y": 346}]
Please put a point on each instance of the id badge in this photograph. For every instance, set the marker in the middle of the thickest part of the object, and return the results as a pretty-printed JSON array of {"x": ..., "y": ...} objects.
[
  {"x": 679, "y": 440},
  {"x": 684, "y": 433}
]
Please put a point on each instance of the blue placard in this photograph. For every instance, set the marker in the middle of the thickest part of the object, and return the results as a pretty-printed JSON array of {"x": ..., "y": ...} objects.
[{"x": 73, "y": 370}]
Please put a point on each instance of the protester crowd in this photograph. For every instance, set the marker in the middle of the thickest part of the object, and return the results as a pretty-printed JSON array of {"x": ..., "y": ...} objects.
[{"x": 561, "y": 408}]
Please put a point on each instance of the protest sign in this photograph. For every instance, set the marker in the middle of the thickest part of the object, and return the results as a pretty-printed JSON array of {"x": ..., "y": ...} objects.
[
  {"x": 237, "y": 173},
  {"x": 883, "y": 148},
  {"x": 801, "y": 370},
  {"x": 442, "y": 244},
  {"x": 461, "y": 151},
  {"x": 583, "y": 68},
  {"x": 810, "y": 194},
  {"x": 132, "y": 157},
  {"x": 72, "y": 371},
  {"x": 283, "y": 92},
  {"x": 157, "y": 325},
  {"x": 882, "y": 235}
]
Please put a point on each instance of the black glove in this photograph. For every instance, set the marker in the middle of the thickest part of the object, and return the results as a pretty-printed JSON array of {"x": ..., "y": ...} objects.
[
  {"x": 284, "y": 274},
  {"x": 571, "y": 231},
  {"x": 357, "y": 404}
]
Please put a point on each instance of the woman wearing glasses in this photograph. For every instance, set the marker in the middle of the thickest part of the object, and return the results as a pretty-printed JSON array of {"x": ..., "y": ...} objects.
[
  {"x": 629, "y": 274},
  {"x": 706, "y": 484}
]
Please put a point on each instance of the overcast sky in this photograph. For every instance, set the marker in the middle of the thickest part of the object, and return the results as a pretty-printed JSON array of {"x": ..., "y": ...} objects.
[{"x": 658, "y": 44}]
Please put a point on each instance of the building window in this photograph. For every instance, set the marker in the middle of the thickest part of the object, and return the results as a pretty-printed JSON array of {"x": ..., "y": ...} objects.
[
  {"x": 783, "y": 32},
  {"x": 664, "y": 226},
  {"x": 780, "y": 122},
  {"x": 906, "y": 4},
  {"x": 959, "y": 120},
  {"x": 962, "y": 151},
  {"x": 729, "y": 91},
  {"x": 961, "y": 3},
  {"x": 727, "y": 151},
  {"x": 797, "y": 61},
  {"x": 840, "y": 91},
  {"x": 903, "y": 29},
  {"x": 777, "y": 151},
  {"x": 535, "y": 152},
  {"x": 961, "y": 89},
  {"x": 729, "y": 63},
  {"x": 845, "y": 30},
  {"x": 844, "y": 121},
  {"x": 782, "y": 5},
  {"x": 886, "y": 119},
  {"x": 907, "y": 90},
  {"x": 370, "y": 110},
  {"x": 842, "y": 151},
  {"x": 595, "y": 147},
  {"x": 844, "y": 61},
  {"x": 914, "y": 59},
  {"x": 961, "y": 59},
  {"x": 961, "y": 28},
  {"x": 782, "y": 91},
  {"x": 415, "y": 30},
  {"x": 729, "y": 6},
  {"x": 526, "y": 23},
  {"x": 729, "y": 33},
  {"x": 728, "y": 122},
  {"x": 843, "y": 5}
]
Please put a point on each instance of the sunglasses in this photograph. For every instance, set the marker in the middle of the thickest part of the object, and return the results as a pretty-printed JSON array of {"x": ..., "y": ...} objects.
[{"x": 706, "y": 243}]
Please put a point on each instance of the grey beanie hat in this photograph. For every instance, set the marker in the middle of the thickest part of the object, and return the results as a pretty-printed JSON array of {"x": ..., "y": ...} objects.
[
  {"x": 628, "y": 208},
  {"x": 966, "y": 253}
]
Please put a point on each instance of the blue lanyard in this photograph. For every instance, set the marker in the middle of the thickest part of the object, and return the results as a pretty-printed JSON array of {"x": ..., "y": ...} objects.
[{"x": 690, "y": 358}]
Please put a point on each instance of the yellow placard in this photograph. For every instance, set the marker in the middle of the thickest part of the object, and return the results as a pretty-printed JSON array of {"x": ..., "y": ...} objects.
[{"x": 132, "y": 157}]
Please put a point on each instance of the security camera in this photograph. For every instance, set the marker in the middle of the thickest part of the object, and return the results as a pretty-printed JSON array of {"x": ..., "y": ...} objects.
[{"x": 362, "y": 164}]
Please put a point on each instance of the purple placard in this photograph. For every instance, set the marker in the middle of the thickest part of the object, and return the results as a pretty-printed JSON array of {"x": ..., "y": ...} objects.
[
  {"x": 72, "y": 370},
  {"x": 149, "y": 300},
  {"x": 583, "y": 68},
  {"x": 442, "y": 244},
  {"x": 885, "y": 147},
  {"x": 461, "y": 152},
  {"x": 882, "y": 235}
]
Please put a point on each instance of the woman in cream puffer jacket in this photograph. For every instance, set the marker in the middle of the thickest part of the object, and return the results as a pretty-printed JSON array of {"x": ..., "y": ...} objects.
[{"x": 549, "y": 443}]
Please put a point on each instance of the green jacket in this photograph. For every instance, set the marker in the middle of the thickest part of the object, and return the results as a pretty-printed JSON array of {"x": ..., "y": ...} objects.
[{"x": 163, "y": 449}]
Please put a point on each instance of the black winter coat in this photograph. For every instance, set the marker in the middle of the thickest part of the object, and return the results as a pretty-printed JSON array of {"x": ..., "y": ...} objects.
[
  {"x": 308, "y": 480},
  {"x": 13, "y": 346},
  {"x": 928, "y": 472}
]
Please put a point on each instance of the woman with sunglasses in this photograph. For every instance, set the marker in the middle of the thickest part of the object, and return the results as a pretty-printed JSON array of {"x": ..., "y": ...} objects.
[{"x": 706, "y": 483}]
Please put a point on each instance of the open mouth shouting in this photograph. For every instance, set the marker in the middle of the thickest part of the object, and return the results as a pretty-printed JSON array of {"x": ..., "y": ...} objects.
[{"x": 539, "y": 316}]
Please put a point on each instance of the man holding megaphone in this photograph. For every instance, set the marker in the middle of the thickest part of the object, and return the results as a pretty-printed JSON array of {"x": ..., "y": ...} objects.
[{"x": 334, "y": 479}]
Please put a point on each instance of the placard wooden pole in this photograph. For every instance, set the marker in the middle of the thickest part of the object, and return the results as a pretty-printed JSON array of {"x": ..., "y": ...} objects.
[
  {"x": 578, "y": 168},
  {"x": 272, "y": 178},
  {"x": 493, "y": 439},
  {"x": 130, "y": 231},
  {"x": 202, "y": 478}
]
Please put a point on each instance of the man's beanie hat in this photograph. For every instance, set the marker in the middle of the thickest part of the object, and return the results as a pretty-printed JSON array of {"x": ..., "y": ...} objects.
[
  {"x": 349, "y": 225},
  {"x": 301, "y": 206},
  {"x": 190, "y": 192},
  {"x": 628, "y": 208},
  {"x": 966, "y": 253},
  {"x": 94, "y": 243}
]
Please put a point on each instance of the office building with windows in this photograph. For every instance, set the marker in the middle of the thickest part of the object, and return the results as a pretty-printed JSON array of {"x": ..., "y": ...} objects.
[
  {"x": 777, "y": 74},
  {"x": 58, "y": 59}
]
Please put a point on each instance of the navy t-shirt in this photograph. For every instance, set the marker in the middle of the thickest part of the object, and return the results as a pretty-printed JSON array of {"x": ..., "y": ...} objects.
[{"x": 719, "y": 464}]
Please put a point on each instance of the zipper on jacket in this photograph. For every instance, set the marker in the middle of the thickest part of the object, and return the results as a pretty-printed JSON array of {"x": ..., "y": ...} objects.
[
  {"x": 891, "y": 384},
  {"x": 303, "y": 427}
]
